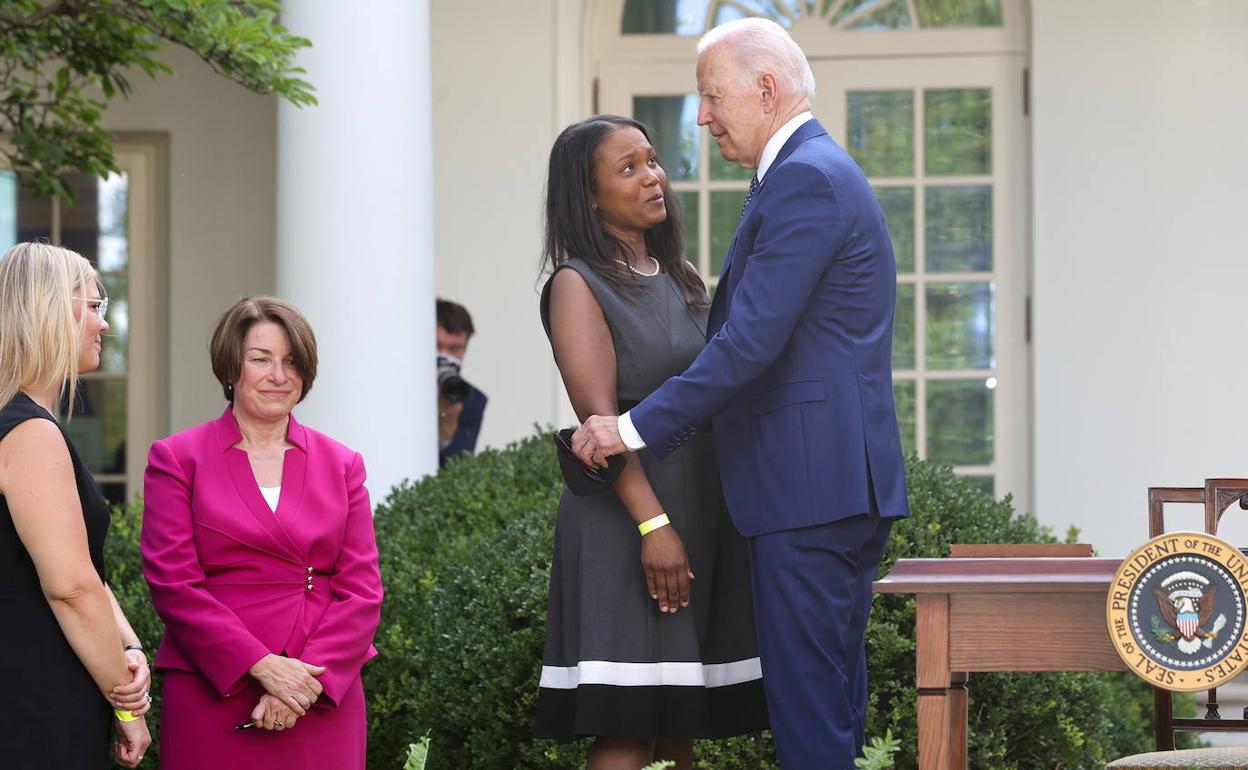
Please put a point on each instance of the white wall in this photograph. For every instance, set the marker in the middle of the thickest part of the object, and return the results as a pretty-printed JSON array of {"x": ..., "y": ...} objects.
[
  {"x": 493, "y": 126},
  {"x": 221, "y": 179},
  {"x": 503, "y": 88},
  {"x": 1140, "y": 154}
]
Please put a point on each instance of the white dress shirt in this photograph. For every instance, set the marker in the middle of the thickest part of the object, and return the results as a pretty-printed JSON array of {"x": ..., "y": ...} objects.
[{"x": 628, "y": 433}]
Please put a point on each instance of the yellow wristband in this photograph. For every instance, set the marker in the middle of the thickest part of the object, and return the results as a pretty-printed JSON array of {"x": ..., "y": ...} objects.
[
  {"x": 650, "y": 525},
  {"x": 124, "y": 716}
]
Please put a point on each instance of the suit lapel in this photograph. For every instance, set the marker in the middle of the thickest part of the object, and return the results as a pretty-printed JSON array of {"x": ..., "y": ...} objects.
[
  {"x": 294, "y": 473},
  {"x": 807, "y": 130},
  {"x": 244, "y": 481}
]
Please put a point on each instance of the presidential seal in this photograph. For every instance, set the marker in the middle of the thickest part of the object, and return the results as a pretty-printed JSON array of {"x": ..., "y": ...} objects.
[{"x": 1176, "y": 611}]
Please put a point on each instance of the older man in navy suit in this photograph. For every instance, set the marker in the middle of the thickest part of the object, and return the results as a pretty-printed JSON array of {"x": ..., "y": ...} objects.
[{"x": 796, "y": 379}]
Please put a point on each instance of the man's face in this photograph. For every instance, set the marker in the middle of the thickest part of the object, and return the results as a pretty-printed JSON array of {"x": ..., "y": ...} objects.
[
  {"x": 732, "y": 111},
  {"x": 454, "y": 344}
]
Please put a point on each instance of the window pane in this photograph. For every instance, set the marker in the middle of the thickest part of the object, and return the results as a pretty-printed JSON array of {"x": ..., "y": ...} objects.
[
  {"x": 986, "y": 483},
  {"x": 80, "y": 223},
  {"x": 959, "y": 229},
  {"x": 903, "y": 395},
  {"x": 688, "y": 17},
  {"x": 725, "y": 216},
  {"x": 959, "y": 13},
  {"x": 893, "y": 16},
  {"x": 114, "y": 492},
  {"x": 8, "y": 210},
  {"x": 689, "y": 220},
  {"x": 958, "y": 131},
  {"x": 98, "y": 426},
  {"x": 34, "y": 217},
  {"x": 903, "y": 328},
  {"x": 898, "y": 206},
  {"x": 724, "y": 169},
  {"x": 959, "y": 325},
  {"x": 725, "y": 12},
  {"x": 115, "y": 351},
  {"x": 114, "y": 247},
  {"x": 959, "y": 422},
  {"x": 673, "y": 125},
  {"x": 664, "y": 17},
  {"x": 881, "y": 131}
]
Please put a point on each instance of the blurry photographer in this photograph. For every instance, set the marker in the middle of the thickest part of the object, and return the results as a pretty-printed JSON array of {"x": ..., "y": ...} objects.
[{"x": 460, "y": 405}]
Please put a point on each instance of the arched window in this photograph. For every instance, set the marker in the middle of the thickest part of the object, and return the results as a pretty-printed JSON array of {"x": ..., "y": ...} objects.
[
  {"x": 929, "y": 96},
  {"x": 693, "y": 17}
]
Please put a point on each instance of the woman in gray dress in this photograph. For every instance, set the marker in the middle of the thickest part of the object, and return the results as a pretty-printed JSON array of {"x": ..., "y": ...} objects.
[{"x": 643, "y": 656}]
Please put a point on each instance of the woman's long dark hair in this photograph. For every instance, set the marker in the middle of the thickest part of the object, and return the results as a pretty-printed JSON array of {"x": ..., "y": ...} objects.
[{"x": 574, "y": 229}]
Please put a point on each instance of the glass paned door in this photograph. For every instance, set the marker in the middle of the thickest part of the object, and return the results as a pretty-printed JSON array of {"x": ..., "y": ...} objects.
[
  {"x": 94, "y": 226},
  {"x": 709, "y": 189},
  {"x": 941, "y": 139},
  {"x": 116, "y": 410},
  {"x": 941, "y": 142}
]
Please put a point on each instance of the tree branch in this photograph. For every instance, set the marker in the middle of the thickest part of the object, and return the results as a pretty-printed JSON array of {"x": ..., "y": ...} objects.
[{"x": 53, "y": 9}]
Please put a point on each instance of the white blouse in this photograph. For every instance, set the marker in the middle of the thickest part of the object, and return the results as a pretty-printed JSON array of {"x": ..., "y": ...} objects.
[{"x": 271, "y": 496}]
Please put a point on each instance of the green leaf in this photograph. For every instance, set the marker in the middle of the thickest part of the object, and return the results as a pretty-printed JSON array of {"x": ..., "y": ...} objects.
[
  {"x": 51, "y": 52},
  {"x": 418, "y": 754}
]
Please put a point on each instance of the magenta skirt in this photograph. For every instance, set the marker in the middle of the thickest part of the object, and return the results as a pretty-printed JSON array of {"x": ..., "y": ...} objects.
[{"x": 197, "y": 730}]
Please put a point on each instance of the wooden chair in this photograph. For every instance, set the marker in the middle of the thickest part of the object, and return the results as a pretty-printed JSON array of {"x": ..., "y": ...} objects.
[{"x": 1216, "y": 495}]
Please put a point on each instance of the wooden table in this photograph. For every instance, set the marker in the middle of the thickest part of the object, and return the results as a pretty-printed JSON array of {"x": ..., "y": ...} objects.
[{"x": 1015, "y": 614}]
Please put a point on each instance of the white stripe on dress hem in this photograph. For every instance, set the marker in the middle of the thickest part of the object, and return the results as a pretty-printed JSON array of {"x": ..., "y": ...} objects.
[{"x": 672, "y": 673}]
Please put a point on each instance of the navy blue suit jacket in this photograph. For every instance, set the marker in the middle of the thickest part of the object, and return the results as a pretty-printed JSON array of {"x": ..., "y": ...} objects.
[
  {"x": 796, "y": 376},
  {"x": 465, "y": 439}
]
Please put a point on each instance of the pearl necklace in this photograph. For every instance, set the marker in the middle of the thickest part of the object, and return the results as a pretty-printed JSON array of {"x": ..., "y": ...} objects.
[{"x": 629, "y": 265}]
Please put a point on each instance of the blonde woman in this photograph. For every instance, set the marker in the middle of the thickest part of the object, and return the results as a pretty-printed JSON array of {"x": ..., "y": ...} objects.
[{"x": 72, "y": 664}]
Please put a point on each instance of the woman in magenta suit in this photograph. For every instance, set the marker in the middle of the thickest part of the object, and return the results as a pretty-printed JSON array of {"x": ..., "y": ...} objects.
[{"x": 258, "y": 546}]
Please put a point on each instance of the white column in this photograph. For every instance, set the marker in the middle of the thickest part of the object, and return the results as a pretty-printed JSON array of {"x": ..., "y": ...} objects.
[{"x": 355, "y": 229}]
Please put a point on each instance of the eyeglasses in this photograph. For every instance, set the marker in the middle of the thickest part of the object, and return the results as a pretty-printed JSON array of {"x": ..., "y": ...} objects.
[{"x": 97, "y": 306}]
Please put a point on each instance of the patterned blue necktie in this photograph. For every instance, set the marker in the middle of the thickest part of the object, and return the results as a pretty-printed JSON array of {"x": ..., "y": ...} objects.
[{"x": 749, "y": 196}]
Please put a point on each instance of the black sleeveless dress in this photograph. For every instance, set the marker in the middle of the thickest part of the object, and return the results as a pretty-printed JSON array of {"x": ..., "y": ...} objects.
[
  {"x": 613, "y": 665},
  {"x": 54, "y": 716}
]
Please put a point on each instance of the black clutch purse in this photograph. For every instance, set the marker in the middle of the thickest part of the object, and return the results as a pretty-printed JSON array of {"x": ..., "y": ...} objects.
[{"x": 585, "y": 479}]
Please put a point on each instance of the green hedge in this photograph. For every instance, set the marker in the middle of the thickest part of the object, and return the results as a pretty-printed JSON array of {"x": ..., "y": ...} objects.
[{"x": 465, "y": 557}]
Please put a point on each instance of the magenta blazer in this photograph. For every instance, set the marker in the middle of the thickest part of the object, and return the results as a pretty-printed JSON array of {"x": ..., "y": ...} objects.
[{"x": 233, "y": 580}]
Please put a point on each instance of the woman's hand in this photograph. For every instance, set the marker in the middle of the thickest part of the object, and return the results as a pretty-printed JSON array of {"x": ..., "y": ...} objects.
[
  {"x": 132, "y": 741},
  {"x": 666, "y": 565},
  {"x": 271, "y": 714},
  {"x": 290, "y": 680},
  {"x": 133, "y": 696}
]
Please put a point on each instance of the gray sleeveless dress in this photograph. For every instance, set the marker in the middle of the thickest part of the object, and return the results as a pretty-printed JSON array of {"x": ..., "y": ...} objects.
[{"x": 613, "y": 664}]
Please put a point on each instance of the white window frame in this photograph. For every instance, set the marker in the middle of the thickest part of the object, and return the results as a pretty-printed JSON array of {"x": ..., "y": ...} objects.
[
  {"x": 143, "y": 158},
  {"x": 624, "y": 66}
]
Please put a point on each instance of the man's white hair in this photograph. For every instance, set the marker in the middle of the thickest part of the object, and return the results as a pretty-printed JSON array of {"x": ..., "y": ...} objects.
[{"x": 762, "y": 46}]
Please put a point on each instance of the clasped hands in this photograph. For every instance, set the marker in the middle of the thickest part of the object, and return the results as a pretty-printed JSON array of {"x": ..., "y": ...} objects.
[
  {"x": 290, "y": 688},
  {"x": 133, "y": 737},
  {"x": 133, "y": 695}
]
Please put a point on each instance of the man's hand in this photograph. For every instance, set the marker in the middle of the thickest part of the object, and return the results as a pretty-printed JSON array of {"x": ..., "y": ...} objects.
[{"x": 597, "y": 439}]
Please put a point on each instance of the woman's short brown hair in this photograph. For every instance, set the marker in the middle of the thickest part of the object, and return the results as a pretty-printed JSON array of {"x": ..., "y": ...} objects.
[{"x": 226, "y": 346}]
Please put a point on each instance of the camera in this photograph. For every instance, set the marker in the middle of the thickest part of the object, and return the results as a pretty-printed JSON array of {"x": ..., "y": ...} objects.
[{"x": 451, "y": 387}]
